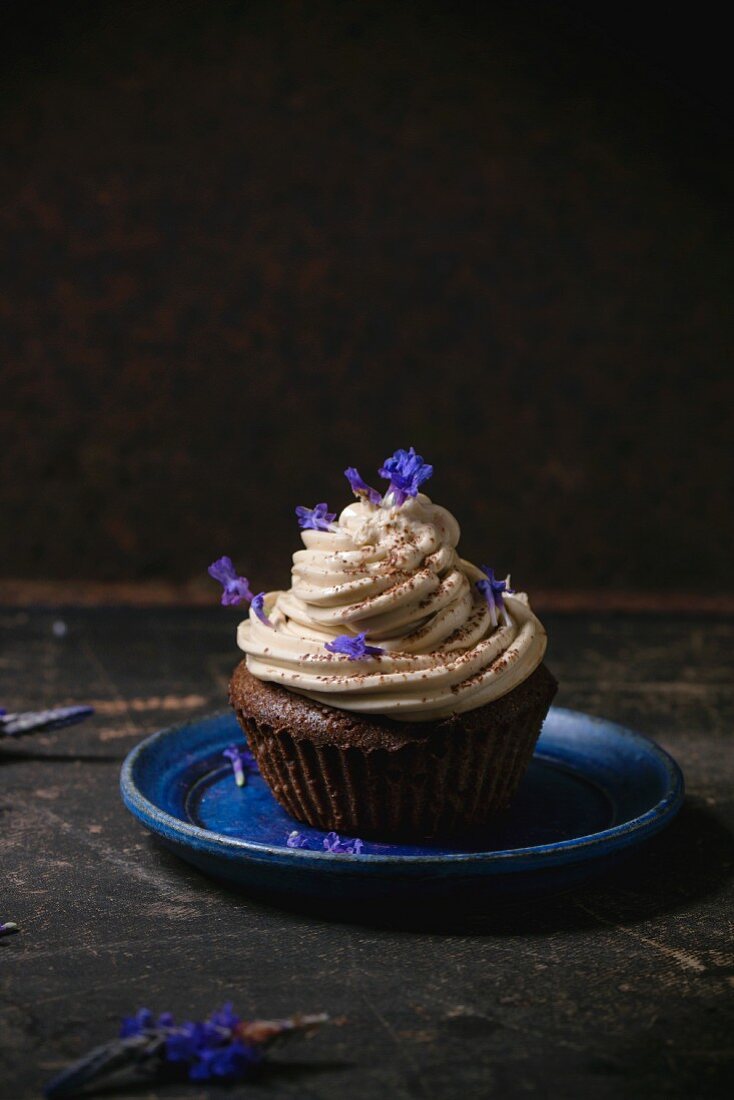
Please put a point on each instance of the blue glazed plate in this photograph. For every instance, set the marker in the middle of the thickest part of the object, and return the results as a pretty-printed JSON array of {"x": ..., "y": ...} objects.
[{"x": 593, "y": 791}]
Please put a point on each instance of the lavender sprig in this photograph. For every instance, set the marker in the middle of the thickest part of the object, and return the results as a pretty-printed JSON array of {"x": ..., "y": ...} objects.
[
  {"x": 360, "y": 487},
  {"x": 258, "y": 606},
  {"x": 493, "y": 591},
  {"x": 243, "y": 763},
  {"x": 353, "y": 646},
  {"x": 235, "y": 590},
  {"x": 223, "y": 1048},
  {"x": 140, "y": 1052},
  {"x": 406, "y": 472},
  {"x": 318, "y": 518},
  {"x": 37, "y": 721},
  {"x": 235, "y": 758},
  {"x": 296, "y": 840},
  {"x": 332, "y": 843}
]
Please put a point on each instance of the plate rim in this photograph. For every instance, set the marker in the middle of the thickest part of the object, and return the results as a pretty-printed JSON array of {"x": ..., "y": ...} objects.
[{"x": 573, "y": 849}]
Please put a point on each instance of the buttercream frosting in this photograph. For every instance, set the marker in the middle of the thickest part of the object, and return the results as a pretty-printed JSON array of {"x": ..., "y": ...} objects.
[{"x": 395, "y": 574}]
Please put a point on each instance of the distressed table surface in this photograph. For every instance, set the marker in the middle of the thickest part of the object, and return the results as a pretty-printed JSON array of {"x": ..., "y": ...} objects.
[{"x": 622, "y": 990}]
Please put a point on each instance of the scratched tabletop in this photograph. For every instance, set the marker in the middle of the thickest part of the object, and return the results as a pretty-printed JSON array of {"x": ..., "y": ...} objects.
[{"x": 622, "y": 989}]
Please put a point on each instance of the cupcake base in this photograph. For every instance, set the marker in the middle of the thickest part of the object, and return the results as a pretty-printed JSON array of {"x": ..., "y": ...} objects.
[{"x": 375, "y": 777}]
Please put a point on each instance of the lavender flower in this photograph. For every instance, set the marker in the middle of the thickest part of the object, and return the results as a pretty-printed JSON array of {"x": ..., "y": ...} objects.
[
  {"x": 222, "y": 1048},
  {"x": 212, "y": 1050},
  {"x": 353, "y": 646},
  {"x": 230, "y": 1063},
  {"x": 406, "y": 472},
  {"x": 315, "y": 519},
  {"x": 235, "y": 589},
  {"x": 243, "y": 763},
  {"x": 225, "y": 1017},
  {"x": 493, "y": 590},
  {"x": 135, "y": 1025},
  {"x": 8, "y": 927},
  {"x": 258, "y": 607},
  {"x": 234, "y": 756},
  {"x": 360, "y": 487},
  {"x": 334, "y": 844}
]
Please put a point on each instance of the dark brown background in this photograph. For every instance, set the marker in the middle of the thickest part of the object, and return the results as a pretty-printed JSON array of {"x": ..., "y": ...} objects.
[{"x": 246, "y": 245}]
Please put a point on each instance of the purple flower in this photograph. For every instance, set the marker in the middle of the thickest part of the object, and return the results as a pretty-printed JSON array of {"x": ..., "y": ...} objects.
[
  {"x": 232, "y": 1062},
  {"x": 8, "y": 927},
  {"x": 225, "y": 1017},
  {"x": 134, "y": 1025},
  {"x": 353, "y": 646},
  {"x": 315, "y": 519},
  {"x": 222, "y": 1048},
  {"x": 334, "y": 844},
  {"x": 493, "y": 590},
  {"x": 234, "y": 589},
  {"x": 406, "y": 472},
  {"x": 360, "y": 487},
  {"x": 258, "y": 607},
  {"x": 211, "y": 1048},
  {"x": 235, "y": 757},
  {"x": 243, "y": 762},
  {"x": 183, "y": 1043}
]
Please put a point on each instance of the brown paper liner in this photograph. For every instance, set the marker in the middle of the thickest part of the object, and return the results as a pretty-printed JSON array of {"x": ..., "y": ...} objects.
[{"x": 436, "y": 784}]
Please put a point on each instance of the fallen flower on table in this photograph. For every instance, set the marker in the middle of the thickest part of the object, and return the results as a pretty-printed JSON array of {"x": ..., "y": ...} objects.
[
  {"x": 221, "y": 1049},
  {"x": 41, "y": 721}
]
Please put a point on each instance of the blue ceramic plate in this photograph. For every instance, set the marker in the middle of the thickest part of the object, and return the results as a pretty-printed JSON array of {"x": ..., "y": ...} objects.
[{"x": 592, "y": 792}]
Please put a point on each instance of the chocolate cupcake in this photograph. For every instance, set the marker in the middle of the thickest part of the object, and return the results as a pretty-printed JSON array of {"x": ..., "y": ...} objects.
[{"x": 395, "y": 690}]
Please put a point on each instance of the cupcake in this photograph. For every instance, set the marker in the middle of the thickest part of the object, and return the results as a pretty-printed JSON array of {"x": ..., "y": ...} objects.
[{"x": 395, "y": 690}]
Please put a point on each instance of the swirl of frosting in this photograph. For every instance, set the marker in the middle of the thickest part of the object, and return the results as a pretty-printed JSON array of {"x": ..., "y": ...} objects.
[{"x": 394, "y": 574}]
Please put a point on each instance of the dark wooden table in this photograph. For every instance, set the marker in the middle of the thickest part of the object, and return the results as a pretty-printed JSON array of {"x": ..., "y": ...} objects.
[{"x": 623, "y": 989}]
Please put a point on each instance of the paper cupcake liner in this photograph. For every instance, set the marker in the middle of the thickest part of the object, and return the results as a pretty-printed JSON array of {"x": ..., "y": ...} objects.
[{"x": 438, "y": 786}]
